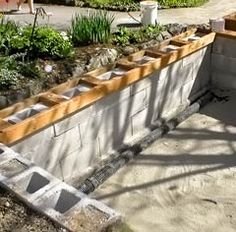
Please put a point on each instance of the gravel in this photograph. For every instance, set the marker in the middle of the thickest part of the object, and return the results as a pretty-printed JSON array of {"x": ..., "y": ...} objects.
[{"x": 17, "y": 217}]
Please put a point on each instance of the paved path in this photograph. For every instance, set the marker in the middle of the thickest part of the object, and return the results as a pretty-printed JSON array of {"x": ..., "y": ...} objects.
[{"x": 62, "y": 15}]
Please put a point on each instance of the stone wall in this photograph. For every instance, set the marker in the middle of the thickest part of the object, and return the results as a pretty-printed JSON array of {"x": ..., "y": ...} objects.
[{"x": 77, "y": 144}]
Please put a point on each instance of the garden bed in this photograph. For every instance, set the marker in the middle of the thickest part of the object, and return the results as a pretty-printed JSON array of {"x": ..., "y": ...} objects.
[{"x": 25, "y": 75}]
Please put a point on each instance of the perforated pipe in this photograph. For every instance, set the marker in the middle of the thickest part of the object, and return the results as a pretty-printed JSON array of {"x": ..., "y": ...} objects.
[{"x": 101, "y": 175}]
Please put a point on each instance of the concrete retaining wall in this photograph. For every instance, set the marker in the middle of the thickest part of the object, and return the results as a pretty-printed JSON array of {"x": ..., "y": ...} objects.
[
  {"x": 75, "y": 145},
  {"x": 224, "y": 63}
]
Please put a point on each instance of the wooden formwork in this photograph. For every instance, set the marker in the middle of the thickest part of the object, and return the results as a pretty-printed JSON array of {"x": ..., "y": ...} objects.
[
  {"x": 230, "y": 22},
  {"x": 133, "y": 68}
]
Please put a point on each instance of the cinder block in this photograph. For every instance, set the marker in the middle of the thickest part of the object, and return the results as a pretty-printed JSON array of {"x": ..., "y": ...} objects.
[
  {"x": 31, "y": 184},
  {"x": 54, "y": 149},
  {"x": 74, "y": 211},
  {"x": 179, "y": 74},
  {"x": 115, "y": 127},
  {"x": 143, "y": 84},
  {"x": 202, "y": 69},
  {"x": 73, "y": 120},
  {"x": 79, "y": 162},
  {"x": 171, "y": 104},
  {"x": 225, "y": 46},
  {"x": 6, "y": 153},
  {"x": 139, "y": 121},
  {"x": 13, "y": 165},
  {"x": 56, "y": 171},
  {"x": 89, "y": 130},
  {"x": 223, "y": 80},
  {"x": 111, "y": 100},
  {"x": 223, "y": 63},
  {"x": 34, "y": 143}
]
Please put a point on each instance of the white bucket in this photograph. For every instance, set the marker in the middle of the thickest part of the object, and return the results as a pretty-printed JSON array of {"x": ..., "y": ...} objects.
[
  {"x": 148, "y": 12},
  {"x": 217, "y": 25}
]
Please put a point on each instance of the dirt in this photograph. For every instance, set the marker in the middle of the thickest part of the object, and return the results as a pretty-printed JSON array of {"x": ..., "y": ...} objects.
[
  {"x": 16, "y": 217},
  {"x": 89, "y": 219}
]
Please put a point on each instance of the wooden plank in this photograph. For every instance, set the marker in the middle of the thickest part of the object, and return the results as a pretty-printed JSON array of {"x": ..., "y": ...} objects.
[
  {"x": 18, "y": 106},
  {"x": 101, "y": 70},
  {"x": 51, "y": 99},
  {"x": 4, "y": 124},
  {"x": 230, "y": 22},
  {"x": 179, "y": 43},
  {"x": 53, "y": 114},
  {"x": 227, "y": 34}
]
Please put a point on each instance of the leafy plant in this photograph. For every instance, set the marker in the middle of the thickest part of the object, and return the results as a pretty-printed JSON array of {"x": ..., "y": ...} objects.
[
  {"x": 125, "y": 36},
  {"x": 93, "y": 28},
  {"x": 8, "y": 72},
  {"x": 49, "y": 42},
  {"x": 8, "y": 30}
]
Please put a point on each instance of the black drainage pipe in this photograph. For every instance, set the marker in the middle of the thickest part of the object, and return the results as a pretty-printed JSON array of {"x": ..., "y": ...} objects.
[{"x": 101, "y": 175}]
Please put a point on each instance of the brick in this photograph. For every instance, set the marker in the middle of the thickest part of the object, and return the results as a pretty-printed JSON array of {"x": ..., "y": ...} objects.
[
  {"x": 72, "y": 121},
  {"x": 31, "y": 184}
]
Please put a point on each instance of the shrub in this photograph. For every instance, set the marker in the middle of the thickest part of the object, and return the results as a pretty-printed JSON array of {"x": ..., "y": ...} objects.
[
  {"x": 49, "y": 42},
  {"x": 93, "y": 28},
  {"x": 125, "y": 36},
  {"x": 8, "y": 72},
  {"x": 46, "y": 41},
  {"x": 8, "y": 30}
]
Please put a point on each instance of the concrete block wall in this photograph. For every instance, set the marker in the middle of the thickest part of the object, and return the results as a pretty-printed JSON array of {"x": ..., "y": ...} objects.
[
  {"x": 224, "y": 63},
  {"x": 78, "y": 143}
]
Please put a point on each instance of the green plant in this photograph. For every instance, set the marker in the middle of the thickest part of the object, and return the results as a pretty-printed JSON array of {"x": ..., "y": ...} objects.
[
  {"x": 93, "y": 28},
  {"x": 8, "y": 30},
  {"x": 125, "y": 36},
  {"x": 49, "y": 42},
  {"x": 46, "y": 42},
  {"x": 8, "y": 78},
  {"x": 8, "y": 72}
]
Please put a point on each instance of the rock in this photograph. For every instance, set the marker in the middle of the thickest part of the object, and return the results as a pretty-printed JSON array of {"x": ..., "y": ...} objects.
[
  {"x": 127, "y": 50},
  {"x": 78, "y": 70},
  {"x": 7, "y": 204},
  {"x": 166, "y": 35},
  {"x": 104, "y": 57},
  {"x": 3, "y": 102},
  {"x": 176, "y": 29},
  {"x": 149, "y": 44}
]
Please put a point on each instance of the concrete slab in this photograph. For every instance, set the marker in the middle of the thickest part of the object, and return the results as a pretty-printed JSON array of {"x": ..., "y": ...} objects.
[{"x": 184, "y": 181}]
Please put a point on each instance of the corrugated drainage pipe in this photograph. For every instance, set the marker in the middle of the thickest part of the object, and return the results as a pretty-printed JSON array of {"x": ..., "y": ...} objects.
[{"x": 101, "y": 175}]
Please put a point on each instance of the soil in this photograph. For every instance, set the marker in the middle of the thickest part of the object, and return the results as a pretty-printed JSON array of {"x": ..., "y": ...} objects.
[{"x": 15, "y": 216}]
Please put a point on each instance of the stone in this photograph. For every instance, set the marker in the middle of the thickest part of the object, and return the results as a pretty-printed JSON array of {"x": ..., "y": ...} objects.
[
  {"x": 166, "y": 35},
  {"x": 104, "y": 57},
  {"x": 175, "y": 29},
  {"x": 127, "y": 50}
]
